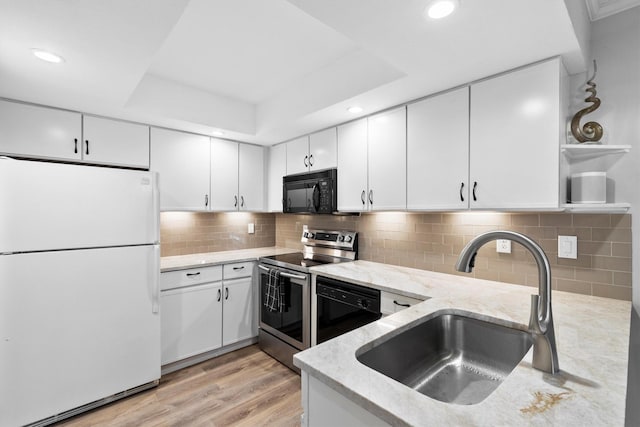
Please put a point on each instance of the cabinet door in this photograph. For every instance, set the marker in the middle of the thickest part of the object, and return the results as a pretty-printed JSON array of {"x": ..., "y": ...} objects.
[
  {"x": 388, "y": 160},
  {"x": 182, "y": 161},
  {"x": 46, "y": 133},
  {"x": 224, "y": 175},
  {"x": 238, "y": 317},
  {"x": 112, "y": 142},
  {"x": 323, "y": 148},
  {"x": 277, "y": 169},
  {"x": 298, "y": 155},
  {"x": 251, "y": 178},
  {"x": 514, "y": 140},
  {"x": 191, "y": 321},
  {"x": 438, "y": 152},
  {"x": 352, "y": 166}
]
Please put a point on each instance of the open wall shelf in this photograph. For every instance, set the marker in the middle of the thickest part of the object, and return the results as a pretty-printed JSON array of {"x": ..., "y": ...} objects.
[{"x": 590, "y": 151}]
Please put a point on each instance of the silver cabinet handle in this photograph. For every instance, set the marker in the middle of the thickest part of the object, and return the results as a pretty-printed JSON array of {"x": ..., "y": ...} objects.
[
  {"x": 242, "y": 201},
  {"x": 226, "y": 293},
  {"x": 219, "y": 295},
  {"x": 310, "y": 162},
  {"x": 305, "y": 161},
  {"x": 235, "y": 203},
  {"x": 362, "y": 196},
  {"x": 371, "y": 197}
]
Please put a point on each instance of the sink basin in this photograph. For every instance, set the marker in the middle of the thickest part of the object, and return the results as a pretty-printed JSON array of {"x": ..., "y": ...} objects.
[{"x": 450, "y": 357}]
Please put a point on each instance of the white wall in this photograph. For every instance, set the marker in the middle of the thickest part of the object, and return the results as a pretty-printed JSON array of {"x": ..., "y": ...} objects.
[{"x": 615, "y": 45}]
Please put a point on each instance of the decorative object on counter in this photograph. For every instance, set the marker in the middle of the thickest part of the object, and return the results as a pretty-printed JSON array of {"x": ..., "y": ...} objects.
[
  {"x": 591, "y": 132},
  {"x": 545, "y": 351},
  {"x": 589, "y": 187}
]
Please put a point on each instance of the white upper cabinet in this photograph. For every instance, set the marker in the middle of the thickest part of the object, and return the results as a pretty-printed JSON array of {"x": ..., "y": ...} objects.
[
  {"x": 277, "y": 169},
  {"x": 40, "y": 132},
  {"x": 113, "y": 142},
  {"x": 517, "y": 120},
  {"x": 352, "y": 166},
  {"x": 298, "y": 155},
  {"x": 182, "y": 161},
  {"x": 251, "y": 178},
  {"x": 323, "y": 147},
  {"x": 312, "y": 152},
  {"x": 48, "y": 133},
  {"x": 438, "y": 152},
  {"x": 224, "y": 175},
  {"x": 388, "y": 160},
  {"x": 237, "y": 176}
]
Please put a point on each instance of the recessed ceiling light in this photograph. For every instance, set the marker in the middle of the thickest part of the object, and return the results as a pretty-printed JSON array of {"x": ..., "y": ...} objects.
[
  {"x": 47, "y": 56},
  {"x": 438, "y": 9},
  {"x": 354, "y": 109},
  {"x": 217, "y": 133}
]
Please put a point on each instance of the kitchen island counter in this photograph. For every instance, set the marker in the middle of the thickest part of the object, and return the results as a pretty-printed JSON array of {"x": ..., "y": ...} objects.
[{"x": 592, "y": 335}]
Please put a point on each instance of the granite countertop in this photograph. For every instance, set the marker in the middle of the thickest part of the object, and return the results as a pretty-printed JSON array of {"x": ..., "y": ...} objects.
[
  {"x": 592, "y": 335},
  {"x": 182, "y": 262}
]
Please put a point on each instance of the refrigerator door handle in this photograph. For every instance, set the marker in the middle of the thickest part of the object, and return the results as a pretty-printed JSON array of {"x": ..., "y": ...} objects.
[
  {"x": 156, "y": 208},
  {"x": 155, "y": 280}
]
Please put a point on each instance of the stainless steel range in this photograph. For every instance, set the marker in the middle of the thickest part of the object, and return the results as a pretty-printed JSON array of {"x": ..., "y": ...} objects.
[{"x": 285, "y": 291}]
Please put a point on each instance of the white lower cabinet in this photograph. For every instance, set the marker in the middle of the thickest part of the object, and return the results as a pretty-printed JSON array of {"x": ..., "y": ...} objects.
[
  {"x": 392, "y": 303},
  {"x": 190, "y": 321},
  {"x": 237, "y": 322},
  {"x": 205, "y": 309}
]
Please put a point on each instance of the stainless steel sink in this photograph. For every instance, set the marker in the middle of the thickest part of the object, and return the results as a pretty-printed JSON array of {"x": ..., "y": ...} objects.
[{"x": 451, "y": 358}]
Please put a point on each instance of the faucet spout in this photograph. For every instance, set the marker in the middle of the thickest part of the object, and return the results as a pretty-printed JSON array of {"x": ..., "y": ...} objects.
[{"x": 545, "y": 353}]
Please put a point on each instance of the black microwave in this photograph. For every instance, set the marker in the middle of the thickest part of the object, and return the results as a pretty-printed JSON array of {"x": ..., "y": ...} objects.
[{"x": 313, "y": 192}]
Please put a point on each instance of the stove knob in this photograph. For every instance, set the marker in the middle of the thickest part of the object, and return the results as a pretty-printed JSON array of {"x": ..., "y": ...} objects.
[
  {"x": 340, "y": 238},
  {"x": 364, "y": 303},
  {"x": 348, "y": 239},
  {"x": 310, "y": 235}
]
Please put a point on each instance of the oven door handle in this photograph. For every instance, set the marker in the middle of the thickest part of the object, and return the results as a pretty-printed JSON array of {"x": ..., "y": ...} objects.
[{"x": 284, "y": 273}]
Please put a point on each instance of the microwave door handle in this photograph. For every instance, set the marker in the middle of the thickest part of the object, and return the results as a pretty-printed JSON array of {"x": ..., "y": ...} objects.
[{"x": 316, "y": 198}]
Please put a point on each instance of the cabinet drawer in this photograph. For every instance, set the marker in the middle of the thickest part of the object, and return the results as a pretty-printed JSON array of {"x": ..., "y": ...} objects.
[
  {"x": 238, "y": 269},
  {"x": 392, "y": 303},
  {"x": 192, "y": 276}
]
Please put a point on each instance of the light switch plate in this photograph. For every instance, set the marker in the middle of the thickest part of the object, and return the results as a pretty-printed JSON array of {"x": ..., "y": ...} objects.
[
  {"x": 503, "y": 246},
  {"x": 568, "y": 247},
  {"x": 251, "y": 228}
]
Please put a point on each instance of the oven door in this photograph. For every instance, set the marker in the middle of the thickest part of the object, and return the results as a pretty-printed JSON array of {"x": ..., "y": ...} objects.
[{"x": 293, "y": 324}]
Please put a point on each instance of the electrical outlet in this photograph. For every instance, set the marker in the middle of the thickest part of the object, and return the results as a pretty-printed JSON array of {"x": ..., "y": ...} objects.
[
  {"x": 568, "y": 247},
  {"x": 251, "y": 228},
  {"x": 503, "y": 246}
]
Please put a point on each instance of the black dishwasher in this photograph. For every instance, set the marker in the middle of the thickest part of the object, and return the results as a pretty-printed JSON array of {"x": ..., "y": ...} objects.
[{"x": 342, "y": 307}]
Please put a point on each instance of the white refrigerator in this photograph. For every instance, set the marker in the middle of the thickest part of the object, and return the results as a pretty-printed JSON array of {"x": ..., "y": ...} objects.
[{"x": 79, "y": 275}]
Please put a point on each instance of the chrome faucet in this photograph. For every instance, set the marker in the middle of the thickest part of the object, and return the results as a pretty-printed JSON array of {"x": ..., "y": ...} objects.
[{"x": 545, "y": 352}]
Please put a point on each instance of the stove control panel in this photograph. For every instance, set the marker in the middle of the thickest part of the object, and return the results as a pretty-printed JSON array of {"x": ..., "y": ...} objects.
[{"x": 346, "y": 240}]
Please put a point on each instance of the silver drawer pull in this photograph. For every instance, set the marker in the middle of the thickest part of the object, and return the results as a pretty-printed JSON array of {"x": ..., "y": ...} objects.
[
  {"x": 239, "y": 268},
  {"x": 193, "y": 274}
]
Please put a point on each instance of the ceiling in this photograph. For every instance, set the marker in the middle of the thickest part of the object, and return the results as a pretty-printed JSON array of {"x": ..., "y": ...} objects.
[{"x": 265, "y": 71}]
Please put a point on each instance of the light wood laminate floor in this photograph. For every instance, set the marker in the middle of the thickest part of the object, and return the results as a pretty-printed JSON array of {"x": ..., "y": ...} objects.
[{"x": 242, "y": 388}]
